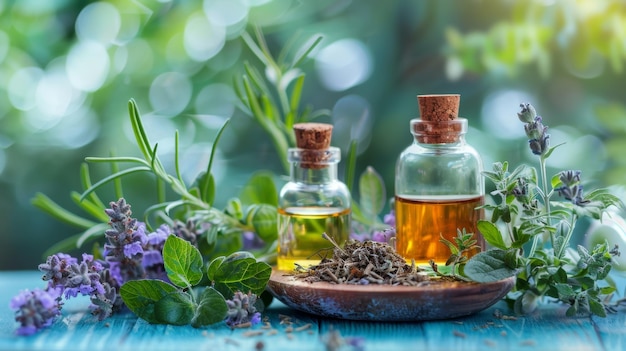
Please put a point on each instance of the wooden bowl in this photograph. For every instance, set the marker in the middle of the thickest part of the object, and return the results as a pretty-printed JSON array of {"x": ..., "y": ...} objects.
[{"x": 374, "y": 302}]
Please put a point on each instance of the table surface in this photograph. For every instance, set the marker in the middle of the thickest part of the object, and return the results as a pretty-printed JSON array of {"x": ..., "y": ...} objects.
[{"x": 546, "y": 329}]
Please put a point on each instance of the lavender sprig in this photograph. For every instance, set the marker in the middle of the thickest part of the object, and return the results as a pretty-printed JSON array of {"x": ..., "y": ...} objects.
[
  {"x": 124, "y": 251},
  {"x": 36, "y": 309}
]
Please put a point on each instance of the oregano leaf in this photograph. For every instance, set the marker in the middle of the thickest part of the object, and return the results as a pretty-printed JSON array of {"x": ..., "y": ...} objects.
[
  {"x": 489, "y": 266},
  {"x": 183, "y": 262},
  {"x": 239, "y": 271},
  {"x": 140, "y": 296},
  {"x": 211, "y": 308},
  {"x": 175, "y": 308}
]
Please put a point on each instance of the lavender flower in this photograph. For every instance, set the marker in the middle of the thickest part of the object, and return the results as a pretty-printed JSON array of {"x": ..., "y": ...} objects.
[
  {"x": 539, "y": 139},
  {"x": 124, "y": 251},
  {"x": 36, "y": 309},
  {"x": 571, "y": 189},
  {"x": 241, "y": 309}
]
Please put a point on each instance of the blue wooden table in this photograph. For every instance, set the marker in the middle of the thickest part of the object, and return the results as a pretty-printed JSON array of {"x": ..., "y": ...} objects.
[{"x": 287, "y": 329}]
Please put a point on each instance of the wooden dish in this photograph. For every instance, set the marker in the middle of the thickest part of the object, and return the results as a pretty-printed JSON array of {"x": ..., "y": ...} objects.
[{"x": 436, "y": 300}]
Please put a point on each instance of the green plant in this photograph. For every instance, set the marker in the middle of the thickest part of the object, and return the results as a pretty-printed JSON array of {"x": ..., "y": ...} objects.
[
  {"x": 525, "y": 214},
  {"x": 178, "y": 302}
]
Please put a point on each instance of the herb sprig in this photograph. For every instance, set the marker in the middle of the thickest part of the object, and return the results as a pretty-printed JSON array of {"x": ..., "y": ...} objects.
[
  {"x": 179, "y": 303},
  {"x": 525, "y": 214}
]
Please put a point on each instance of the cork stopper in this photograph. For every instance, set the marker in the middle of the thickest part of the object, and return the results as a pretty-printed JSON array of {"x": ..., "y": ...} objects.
[
  {"x": 440, "y": 122},
  {"x": 314, "y": 140},
  {"x": 439, "y": 107}
]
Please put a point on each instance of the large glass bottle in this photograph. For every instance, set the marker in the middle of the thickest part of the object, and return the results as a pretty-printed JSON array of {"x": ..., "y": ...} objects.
[
  {"x": 438, "y": 184},
  {"x": 313, "y": 202}
]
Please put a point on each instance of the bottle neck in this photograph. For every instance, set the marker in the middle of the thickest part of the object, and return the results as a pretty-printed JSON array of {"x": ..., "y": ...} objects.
[
  {"x": 313, "y": 166},
  {"x": 449, "y": 132},
  {"x": 300, "y": 174}
]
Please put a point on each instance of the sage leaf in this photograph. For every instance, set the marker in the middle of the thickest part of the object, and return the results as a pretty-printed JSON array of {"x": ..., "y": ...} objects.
[
  {"x": 211, "y": 308},
  {"x": 239, "y": 272},
  {"x": 175, "y": 308},
  {"x": 489, "y": 266},
  {"x": 371, "y": 192},
  {"x": 140, "y": 296},
  {"x": 183, "y": 262},
  {"x": 492, "y": 234}
]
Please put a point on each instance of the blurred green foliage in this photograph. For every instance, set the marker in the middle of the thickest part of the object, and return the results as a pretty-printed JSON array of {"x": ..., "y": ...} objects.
[{"x": 68, "y": 69}]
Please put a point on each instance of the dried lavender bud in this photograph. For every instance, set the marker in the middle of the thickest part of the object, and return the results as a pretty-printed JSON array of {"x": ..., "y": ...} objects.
[
  {"x": 36, "y": 309},
  {"x": 241, "y": 309},
  {"x": 527, "y": 114}
]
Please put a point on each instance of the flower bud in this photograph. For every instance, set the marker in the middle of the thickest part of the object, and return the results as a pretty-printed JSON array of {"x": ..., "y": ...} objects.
[{"x": 527, "y": 114}]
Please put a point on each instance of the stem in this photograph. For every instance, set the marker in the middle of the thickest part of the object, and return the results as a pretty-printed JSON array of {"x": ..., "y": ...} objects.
[
  {"x": 568, "y": 237},
  {"x": 546, "y": 203}
]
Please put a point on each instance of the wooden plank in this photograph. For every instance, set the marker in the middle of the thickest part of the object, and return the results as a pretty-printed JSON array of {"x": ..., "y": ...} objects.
[
  {"x": 548, "y": 329},
  {"x": 287, "y": 329}
]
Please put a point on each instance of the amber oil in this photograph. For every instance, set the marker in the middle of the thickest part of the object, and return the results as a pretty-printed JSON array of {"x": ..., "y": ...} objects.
[
  {"x": 300, "y": 232},
  {"x": 422, "y": 219}
]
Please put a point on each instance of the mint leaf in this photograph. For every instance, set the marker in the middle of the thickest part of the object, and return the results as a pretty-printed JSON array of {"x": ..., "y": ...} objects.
[
  {"x": 183, "y": 262},
  {"x": 175, "y": 308},
  {"x": 492, "y": 234},
  {"x": 211, "y": 309},
  {"x": 239, "y": 271},
  {"x": 141, "y": 296},
  {"x": 489, "y": 266}
]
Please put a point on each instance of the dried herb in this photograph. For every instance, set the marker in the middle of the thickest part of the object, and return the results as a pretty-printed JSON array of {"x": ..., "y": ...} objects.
[{"x": 365, "y": 262}]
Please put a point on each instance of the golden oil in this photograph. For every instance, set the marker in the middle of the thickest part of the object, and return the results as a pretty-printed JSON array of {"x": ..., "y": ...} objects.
[
  {"x": 300, "y": 232},
  {"x": 420, "y": 220}
]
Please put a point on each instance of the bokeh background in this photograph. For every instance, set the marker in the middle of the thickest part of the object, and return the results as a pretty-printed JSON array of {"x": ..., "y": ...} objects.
[{"x": 68, "y": 69}]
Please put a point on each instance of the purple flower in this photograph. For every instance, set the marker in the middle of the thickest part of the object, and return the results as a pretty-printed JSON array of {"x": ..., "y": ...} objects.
[
  {"x": 133, "y": 249},
  {"x": 36, "y": 309},
  {"x": 151, "y": 258},
  {"x": 256, "y": 318}
]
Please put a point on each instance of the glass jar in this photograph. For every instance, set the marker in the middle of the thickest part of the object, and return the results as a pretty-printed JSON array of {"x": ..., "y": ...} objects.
[
  {"x": 438, "y": 189},
  {"x": 313, "y": 202}
]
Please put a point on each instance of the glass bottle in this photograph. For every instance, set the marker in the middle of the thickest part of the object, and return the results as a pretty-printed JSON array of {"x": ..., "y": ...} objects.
[
  {"x": 313, "y": 202},
  {"x": 438, "y": 183}
]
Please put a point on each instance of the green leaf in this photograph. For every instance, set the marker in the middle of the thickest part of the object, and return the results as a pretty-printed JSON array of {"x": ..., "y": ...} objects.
[
  {"x": 264, "y": 219},
  {"x": 206, "y": 184},
  {"x": 492, "y": 234},
  {"x": 211, "y": 309},
  {"x": 372, "y": 192},
  {"x": 489, "y": 266},
  {"x": 175, "y": 308},
  {"x": 453, "y": 248},
  {"x": 239, "y": 271},
  {"x": 94, "y": 209},
  {"x": 260, "y": 189},
  {"x": 113, "y": 177},
  {"x": 92, "y": 233},
  {"x": 306, "y": 49},
  {"x": 596, "y": 307},
  {"x": 47, "y": 205},
  {"x": 140, "y": 134},
  {"x": 183, "y": 262},
  {"x": 141, "y": 296},
  {"x": 351, "y": 164},
  {"x": 208, "y": 197}
]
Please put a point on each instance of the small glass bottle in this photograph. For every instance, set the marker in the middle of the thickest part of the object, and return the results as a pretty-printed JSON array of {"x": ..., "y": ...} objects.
[
  {"x": 438, "y": 184},
  {"x": 313, "y": 202}
]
